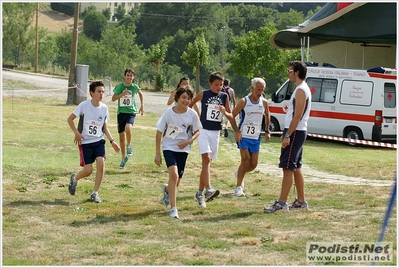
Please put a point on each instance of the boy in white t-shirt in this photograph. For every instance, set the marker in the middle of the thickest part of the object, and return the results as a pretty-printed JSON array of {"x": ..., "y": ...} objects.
[{"x": 89, "y": 136}]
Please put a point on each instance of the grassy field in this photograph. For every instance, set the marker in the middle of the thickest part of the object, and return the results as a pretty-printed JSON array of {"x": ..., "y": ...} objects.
[{"x": 44, "y": 225}]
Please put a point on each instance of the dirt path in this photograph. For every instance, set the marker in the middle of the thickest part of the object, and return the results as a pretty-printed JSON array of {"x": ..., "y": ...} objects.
[{"x": 312, "y": 175}]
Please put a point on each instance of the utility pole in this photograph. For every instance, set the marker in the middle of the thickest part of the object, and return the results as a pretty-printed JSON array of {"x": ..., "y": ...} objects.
[
  {"x": 74, "y": 51},
  {"x": 37, "y": 38},
  {"x": 223, "y": 45}
]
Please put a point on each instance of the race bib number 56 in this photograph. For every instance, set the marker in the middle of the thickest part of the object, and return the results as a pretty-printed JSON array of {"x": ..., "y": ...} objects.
[{"x": 93, "y": 128}]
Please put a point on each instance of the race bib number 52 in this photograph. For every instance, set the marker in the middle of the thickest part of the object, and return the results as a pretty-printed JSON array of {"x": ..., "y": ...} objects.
[{"x": 213, "y": 113}]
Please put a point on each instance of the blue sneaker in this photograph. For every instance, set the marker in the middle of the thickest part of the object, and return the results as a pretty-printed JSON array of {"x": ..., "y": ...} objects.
[
  {"x": 123, "y": 163},
  {"x": 129, "y": 150}
]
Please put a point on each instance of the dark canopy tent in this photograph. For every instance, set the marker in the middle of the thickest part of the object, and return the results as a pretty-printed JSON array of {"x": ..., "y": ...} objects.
[{"x": 367, "y": 23}]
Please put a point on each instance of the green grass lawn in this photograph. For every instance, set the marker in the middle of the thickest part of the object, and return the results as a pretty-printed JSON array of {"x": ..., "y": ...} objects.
[{"x": 44, "y": 225}]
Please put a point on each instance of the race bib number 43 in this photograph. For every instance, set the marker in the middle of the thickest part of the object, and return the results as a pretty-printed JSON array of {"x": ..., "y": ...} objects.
[{"x": 213, "y": 113}]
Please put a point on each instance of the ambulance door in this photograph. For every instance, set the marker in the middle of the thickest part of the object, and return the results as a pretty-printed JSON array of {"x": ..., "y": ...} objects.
[
  {"x": 321, "y": 121},
  {"x": 389, "y": 113},
  {"x": 278, "y": 105}
]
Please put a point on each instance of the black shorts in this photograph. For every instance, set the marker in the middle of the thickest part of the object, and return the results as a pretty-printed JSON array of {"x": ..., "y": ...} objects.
[
  {"x": 124, "y": 119},
  {"x": 89, "y": 152},
  {"x": 291, "y": 156},
  {"x": 176, "y": 159}
]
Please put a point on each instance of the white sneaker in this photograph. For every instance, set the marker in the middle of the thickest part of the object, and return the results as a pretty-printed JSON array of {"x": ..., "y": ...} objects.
[
  {"x": 200, "y": 200},
  {"x": 236, "y": 175},
  {"x": 238, "y": 191},
  {"x": 173, "y": 213},
  {"x": 165, "y": 198}
]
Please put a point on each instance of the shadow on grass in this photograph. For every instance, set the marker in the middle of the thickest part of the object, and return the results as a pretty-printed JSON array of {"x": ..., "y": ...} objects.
[
  {"x": 59, "y": 202},
  {"x": 124, "y": 217},
  {"x": 222, "y": 217}
]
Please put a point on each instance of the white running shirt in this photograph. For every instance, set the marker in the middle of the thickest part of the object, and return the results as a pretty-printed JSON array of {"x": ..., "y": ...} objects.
[
  {"x": 177, "y": 127},
  {"x": 303, "y": 124},
  {"x": 91, "y": 121}
]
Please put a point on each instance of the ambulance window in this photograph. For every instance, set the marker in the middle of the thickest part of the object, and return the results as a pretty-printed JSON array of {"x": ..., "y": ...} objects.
[
  {"x": 290, "y": 89},
  {"x": 285, "y": 92},
  {"x": 389, "y": 95},
  {"x": 323, "y": 90},
  {"x": 315, "y": 88}
]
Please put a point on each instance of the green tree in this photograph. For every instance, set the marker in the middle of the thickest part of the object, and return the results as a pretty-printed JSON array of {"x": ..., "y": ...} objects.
[
  {"x": 120, "y": 13},
  {"x": 197, "y": 54},
  {"x": 243, "y": 18},
  {"x": 107, "y": 13},
  {"x": 17, "y": 30},
  {"x": 156, "y": 55},
  {"x": 87, "y": 10},
  {"x": 290, "y": 19},
  {"x": 159, "y": 20},
  {"x": 254, "y": 56},
  {"x": 94, "y": 24}
]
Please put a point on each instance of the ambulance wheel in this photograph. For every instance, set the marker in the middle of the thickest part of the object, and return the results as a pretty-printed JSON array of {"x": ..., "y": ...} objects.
[
  {"x": 353, "y": 133},
  {"x": 274, "y": 125}
]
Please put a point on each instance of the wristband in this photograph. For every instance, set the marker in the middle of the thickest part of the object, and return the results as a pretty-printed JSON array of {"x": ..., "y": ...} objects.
[{"x": 111, "y": 141}]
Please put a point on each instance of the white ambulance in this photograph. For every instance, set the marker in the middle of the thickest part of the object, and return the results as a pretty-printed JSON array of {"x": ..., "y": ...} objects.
[{"x": 349, "y": 103}]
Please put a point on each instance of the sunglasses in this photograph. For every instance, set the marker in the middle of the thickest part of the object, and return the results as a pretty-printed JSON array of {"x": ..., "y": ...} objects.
[{"x": 290, "y": 70}]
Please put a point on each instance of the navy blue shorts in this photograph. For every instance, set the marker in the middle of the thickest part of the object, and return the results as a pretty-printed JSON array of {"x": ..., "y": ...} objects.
[
  {"x": 176, "y": 159},
  {"x": 253, "y": 146},
  {"x": 89, "y": 152},
  {"x": 291, "y": 156},
  {"x": 124, "y": 119}
]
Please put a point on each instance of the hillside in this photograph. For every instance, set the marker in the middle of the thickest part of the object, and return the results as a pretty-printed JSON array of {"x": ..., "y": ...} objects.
[{"x": 55, "y": 21}]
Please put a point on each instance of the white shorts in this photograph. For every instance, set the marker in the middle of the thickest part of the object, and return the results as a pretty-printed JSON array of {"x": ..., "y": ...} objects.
[{"x": 208, "y": 142}]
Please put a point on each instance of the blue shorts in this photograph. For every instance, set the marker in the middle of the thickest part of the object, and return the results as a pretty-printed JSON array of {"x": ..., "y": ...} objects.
[
  {"x": 176, "y": 159},
  {"x": 253, "y": 146},
  {"x": 291, "y": 156},
  {"x": 89, "y": 152},
  {"x": 124, "y": 119}
]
